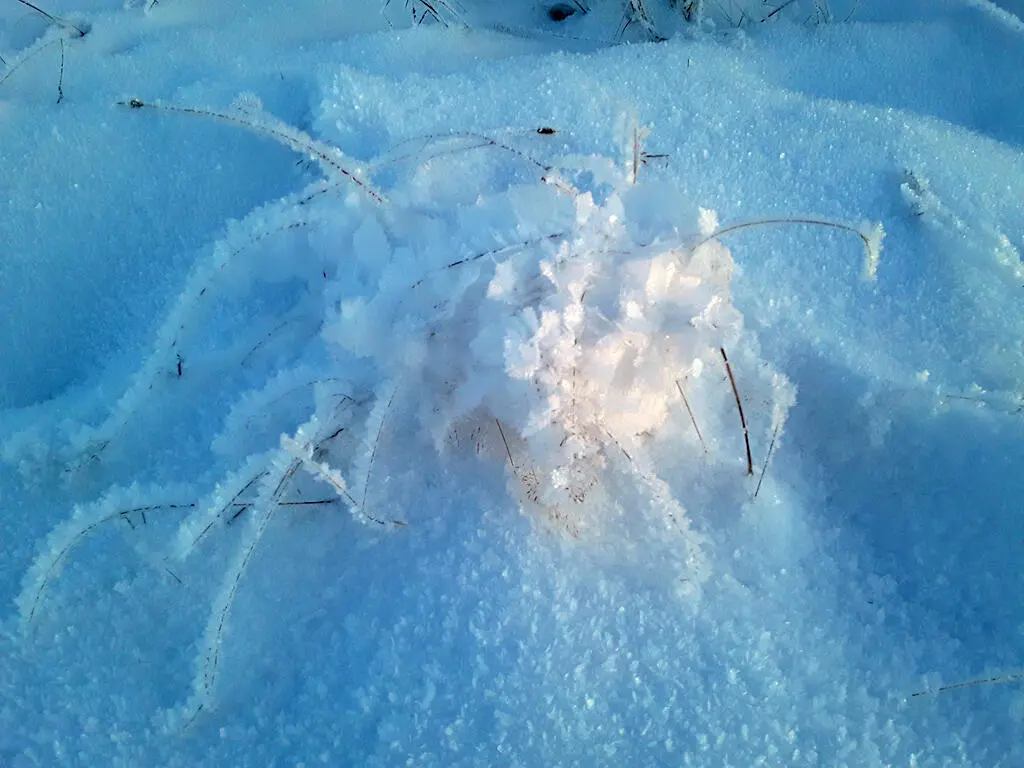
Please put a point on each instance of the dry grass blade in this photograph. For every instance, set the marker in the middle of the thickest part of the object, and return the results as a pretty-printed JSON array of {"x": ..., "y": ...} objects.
[
  {"x": 234, "y": 502},
  {"x": 308, "y": 146},
  {"x": 1013, "y": 677},
  {"x": 52, "y": 567},
  {"x": 60, "y": 80},
  {"x": 501, "y": 249},
  {"x": 211, "y": 665},
  {"x": 27, "y": 58},
  {"x": 693, "y": 420},
  {"x": 508, "y": 451},
  {"x": 373, "y": 458},
  {"x": 53, "y": 19},
  {"x": 636, "y": 152},
  {"x": 872, "y": 242},
  {"x": 767, "y": 458},
  {"x": 482, "y": 142}
]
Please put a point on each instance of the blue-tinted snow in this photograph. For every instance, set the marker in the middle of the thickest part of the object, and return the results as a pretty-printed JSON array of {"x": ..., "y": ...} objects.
[{"x": 880, "y": 558}]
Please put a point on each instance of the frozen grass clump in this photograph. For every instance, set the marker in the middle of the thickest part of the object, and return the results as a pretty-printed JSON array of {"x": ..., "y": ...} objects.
[{"x": 566, "y": 320}]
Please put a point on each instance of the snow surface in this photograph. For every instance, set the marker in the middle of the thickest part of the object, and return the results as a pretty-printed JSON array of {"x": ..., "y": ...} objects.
[{"x": 352, "y": 417}]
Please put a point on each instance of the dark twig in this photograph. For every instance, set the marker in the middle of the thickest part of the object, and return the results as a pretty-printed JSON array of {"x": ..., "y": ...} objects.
[
  {"x": 780, "y": 8},
  {"x": 507, "y": 449},
  {"x": 53, "y": 19},
  {"x": 60, "y": 81},
  {"x": 739, "y": 407},
  {"x": 1011, "y": 678}
]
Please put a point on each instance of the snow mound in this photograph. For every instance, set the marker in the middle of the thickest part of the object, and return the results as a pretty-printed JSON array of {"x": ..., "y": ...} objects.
[{"x": 551, "y": 316}]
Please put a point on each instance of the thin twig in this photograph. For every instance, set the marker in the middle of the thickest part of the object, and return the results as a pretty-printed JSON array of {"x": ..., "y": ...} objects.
[
  {"x": 767, "y": 458},
  {"x": 60, "y": 81},
  {"x": 739, "y": 407},
  {"x": 781, "y": 7},
  {"x": 507, "y": 449}
]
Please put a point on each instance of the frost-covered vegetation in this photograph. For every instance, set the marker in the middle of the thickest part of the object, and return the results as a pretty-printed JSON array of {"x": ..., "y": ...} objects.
[{"x": 475, "y": 436}]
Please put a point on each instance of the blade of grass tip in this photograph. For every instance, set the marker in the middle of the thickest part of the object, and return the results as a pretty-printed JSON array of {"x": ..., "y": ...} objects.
[
  {"x": 307, "y": 145},
  {"x": 739, "y": 407},
  {"x": 53, "y": 19}
]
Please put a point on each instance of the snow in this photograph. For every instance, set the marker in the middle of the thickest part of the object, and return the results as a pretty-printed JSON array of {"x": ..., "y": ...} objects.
[{"x": 381, "y": 393}]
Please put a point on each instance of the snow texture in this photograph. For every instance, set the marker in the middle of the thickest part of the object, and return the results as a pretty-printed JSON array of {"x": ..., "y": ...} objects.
[{"x": 526, "y": 384}]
